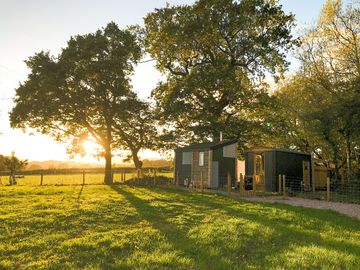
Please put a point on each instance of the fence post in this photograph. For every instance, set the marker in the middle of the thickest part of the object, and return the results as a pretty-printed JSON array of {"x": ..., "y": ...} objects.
[
  {"x": 83, "y": 177},
  {"x": 241, "y": 182},
  {"x": 254, "y": 184},
  {"x": 313, "y": 184},
  {"x": 328, "y": 188},
  {"x": 202, "y": 181},
  {"x": 155, "y": 177},
  {"x": 177, "y": 179},
  {"x": 284, "y": 184},
  {"x": 279, "y": 183},
  {"x": 41, "y": 178},
  {"x": 229, "y": 182}
]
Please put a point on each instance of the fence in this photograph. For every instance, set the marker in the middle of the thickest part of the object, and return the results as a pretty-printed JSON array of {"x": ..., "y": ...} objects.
[
  {"x": 227, "y": 185},
  {"x": 84, "y": 177},
  {"x": 322, "y": 189},
  {"x": 255, "y": 185}
]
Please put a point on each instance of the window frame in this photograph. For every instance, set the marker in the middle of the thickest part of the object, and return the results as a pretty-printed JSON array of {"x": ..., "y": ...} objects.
[
  {"x": 186, "y": 156},
  {"x": 201, "y": 158}
]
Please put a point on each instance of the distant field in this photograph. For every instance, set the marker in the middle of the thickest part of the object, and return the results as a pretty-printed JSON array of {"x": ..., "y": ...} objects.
[
  {"x": 122, "y": 227},
  {"x": 73, "y": 178}
]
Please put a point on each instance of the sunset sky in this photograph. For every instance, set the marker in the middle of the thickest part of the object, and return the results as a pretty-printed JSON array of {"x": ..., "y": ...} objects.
[{"x": 27, "y": 27}]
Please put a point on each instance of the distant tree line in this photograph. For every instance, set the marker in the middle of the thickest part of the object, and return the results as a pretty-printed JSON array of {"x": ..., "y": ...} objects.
[
  {"x": 216, "y": 57},
  {"x": 12, "y": 164}
]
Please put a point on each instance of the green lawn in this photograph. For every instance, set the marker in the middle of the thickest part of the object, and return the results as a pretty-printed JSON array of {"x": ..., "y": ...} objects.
[{"x": 121, "y": 227}]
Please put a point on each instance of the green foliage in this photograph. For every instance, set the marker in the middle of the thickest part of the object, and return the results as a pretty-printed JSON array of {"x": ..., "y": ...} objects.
[
  {"x": 2, "y": 166},
  {"x": 214, "y": 55},
  {"x": 136, "y": 128},
  {"x": 84, "y": 93},
  {"x": 13, "y": 164},
  {"x": 319, "y": 107},
  {"x": 121, "y": 227}
]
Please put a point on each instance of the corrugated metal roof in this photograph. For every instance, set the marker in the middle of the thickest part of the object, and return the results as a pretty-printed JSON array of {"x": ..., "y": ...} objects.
[{"x": 208, "y": 145}]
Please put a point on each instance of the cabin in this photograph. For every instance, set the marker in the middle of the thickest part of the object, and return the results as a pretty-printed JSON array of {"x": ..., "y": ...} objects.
[
  {"x": 209, "y": 163},
  {"x": 263, "y": 165}
]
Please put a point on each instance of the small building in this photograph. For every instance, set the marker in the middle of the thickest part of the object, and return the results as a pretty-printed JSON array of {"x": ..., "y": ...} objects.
[
  {"x": 211, "y": 162},
  {"x": 263, "y": 166}
]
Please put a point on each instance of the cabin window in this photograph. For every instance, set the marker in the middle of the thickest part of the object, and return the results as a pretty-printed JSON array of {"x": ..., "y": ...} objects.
[
  {"x": 201, "y": 158},
  {"x": 186, "y": 158}
]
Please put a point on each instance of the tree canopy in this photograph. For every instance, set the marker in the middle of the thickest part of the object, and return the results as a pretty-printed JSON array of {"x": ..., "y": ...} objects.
[
  {"x": 215, "y": 55},
  {"x": 136, "y": 127},
  {"x": 83, "y": 92},
  {"x": 13, "y": 164},
  {"x": 326, "y": 90}
]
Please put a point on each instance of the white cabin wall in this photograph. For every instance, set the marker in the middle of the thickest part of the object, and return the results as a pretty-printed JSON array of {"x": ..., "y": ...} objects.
[
  {"x": 230, "y": 151},
  {"x": 240, "y": 168}
]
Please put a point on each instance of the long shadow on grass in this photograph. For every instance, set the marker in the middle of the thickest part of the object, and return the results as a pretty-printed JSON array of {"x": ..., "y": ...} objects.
[
  {"x": 80, "y": 193},
  {"x": 319, "y": 217},
  {"x": 175, "y": 235},
  {"x": 284, "y": 235},
  {"x": 217, "y": 200}
]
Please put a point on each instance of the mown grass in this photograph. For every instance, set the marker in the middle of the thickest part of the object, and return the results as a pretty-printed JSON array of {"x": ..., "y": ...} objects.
[{"x": 122, "y": 227}]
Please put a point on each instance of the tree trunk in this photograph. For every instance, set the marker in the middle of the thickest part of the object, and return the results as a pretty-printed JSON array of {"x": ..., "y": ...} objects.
[
  {"x": 348, "y": 157},
  {"x": 137, "y": 162},
  {"x": 108, "y": 167},
  {"x": 337, "y": 173},
  {"x": 336, "y": 162},
  {"x": 11, "y": 180},
  {"x": 108, "y": 179}
]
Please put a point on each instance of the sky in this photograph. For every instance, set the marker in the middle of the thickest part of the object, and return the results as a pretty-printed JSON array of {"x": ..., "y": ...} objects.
[{"x": 27, "y": 27}]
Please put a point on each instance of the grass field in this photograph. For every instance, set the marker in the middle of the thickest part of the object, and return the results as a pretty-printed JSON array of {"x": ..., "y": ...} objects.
[
  {"x": 121, "y": 227},
  {"x": 72, "y": 178}
]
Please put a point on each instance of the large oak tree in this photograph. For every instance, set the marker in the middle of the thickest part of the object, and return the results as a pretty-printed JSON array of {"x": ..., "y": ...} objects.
[
  {"x": 215, "y": 55},
  {"x": 81, "y": 92}
]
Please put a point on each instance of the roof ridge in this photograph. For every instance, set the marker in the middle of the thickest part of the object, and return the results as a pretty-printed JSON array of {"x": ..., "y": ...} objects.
[{"x": 210, "y": 145}]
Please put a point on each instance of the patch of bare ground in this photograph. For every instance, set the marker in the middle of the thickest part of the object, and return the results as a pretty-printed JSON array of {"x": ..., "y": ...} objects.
[{"x": 351, "y": 210}]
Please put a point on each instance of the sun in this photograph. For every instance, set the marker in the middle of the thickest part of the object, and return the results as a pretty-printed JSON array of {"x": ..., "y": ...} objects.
[{"x": 90, "y": 147}]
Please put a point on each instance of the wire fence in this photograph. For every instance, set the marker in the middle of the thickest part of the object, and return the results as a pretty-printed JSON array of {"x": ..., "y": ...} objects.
[
  {"x": 323, "y": 189},
  {"x": 285, "y": 186},
  {"x": 84, "y": 177}
]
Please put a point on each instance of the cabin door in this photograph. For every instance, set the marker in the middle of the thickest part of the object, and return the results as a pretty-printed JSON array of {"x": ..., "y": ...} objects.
[
  {"x": 306, "y": 174},
  {"x": 259, "y": 172},
  {"x": 215, "y": 174}
]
